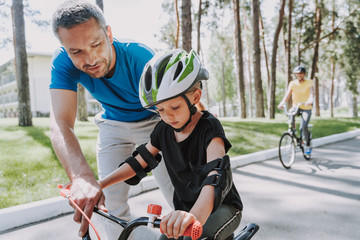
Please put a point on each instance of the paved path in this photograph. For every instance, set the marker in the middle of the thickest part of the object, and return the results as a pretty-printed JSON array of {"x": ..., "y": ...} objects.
[{"x": 319, "y": 199}]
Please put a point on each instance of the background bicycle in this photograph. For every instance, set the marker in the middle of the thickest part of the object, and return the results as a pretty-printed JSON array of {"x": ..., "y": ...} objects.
[{"x": 290, "y": 142}]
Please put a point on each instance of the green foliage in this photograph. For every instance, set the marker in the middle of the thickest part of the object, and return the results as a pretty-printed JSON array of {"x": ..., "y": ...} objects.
[
  {"x": 221, "y": 65},
  {"x": 352, "y": 54}
]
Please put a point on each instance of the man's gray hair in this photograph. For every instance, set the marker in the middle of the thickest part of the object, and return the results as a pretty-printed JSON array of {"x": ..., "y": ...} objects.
[{"x": 73, "y": 12}]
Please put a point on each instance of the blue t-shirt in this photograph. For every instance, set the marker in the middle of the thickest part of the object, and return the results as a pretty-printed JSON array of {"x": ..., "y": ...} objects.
[{"x": 118, "y": 95}]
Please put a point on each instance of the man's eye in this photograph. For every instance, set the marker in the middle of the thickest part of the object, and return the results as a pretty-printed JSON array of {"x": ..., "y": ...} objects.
[
  {"x": 175, "y": 108},
  {"x": 75, "y": 52}
]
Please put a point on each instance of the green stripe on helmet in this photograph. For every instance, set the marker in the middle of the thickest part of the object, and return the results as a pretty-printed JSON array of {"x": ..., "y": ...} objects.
[
  {"x": 189, "y": 62},
  {"x": 175, "y": 60}
]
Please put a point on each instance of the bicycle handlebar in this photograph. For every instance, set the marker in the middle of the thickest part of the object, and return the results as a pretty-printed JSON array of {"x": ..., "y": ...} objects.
[
  {"x": 293, "y": 112},
  {"x": 194, "y": 230}
]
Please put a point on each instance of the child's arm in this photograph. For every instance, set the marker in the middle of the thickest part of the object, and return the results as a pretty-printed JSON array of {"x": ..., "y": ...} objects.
[
  {"x": 205, "y": 202},
  {"x": 125, "y": 172},
  {"x": 175, "y": 223}
]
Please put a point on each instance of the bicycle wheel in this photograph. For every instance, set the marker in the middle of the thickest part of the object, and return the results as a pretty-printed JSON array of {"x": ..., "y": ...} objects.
[{"x": 287, "y": 150}]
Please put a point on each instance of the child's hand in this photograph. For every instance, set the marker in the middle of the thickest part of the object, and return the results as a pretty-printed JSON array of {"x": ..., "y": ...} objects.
[{"x": 174, "y": 224}]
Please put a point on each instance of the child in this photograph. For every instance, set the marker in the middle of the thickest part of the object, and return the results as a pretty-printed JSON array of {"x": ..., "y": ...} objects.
[{"x": 193, "y": 145}]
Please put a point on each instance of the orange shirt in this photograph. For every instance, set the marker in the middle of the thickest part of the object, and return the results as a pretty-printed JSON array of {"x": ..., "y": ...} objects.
[{"x": 300, "y": 92}]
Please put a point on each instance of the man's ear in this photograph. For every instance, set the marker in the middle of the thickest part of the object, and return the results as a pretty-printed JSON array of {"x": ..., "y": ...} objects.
[{"x": 109, "y": 34}]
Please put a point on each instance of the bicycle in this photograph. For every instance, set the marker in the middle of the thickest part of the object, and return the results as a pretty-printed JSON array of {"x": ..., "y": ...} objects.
[
  {"x": 289, "y": 141},
  {"x": 153, "y": 221}
]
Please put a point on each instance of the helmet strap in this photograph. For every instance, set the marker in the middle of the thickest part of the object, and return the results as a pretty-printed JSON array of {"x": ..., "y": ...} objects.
[{"x": 192, "y": 110}]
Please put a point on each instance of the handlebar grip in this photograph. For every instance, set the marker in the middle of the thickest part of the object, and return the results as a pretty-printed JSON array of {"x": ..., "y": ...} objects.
[{"x": 194, "y": 230}]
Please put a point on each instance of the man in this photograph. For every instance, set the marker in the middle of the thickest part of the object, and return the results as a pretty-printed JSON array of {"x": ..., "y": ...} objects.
[
  {"x": 110, "y": 70},
  {"x": 301, "y": 91}
]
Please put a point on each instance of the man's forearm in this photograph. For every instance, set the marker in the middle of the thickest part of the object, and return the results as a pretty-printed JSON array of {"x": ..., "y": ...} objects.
[{"x": 68, "y": 151}]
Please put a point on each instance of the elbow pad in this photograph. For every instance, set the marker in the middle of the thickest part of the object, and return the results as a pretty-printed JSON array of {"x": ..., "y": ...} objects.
[
  {"x": 141, "y": 172},
  {"x": 222, "y": 180}
]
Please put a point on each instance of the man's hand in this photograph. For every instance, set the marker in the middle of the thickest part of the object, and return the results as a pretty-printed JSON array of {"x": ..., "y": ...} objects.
[
  {"x": 87, "y": 194},
  {"x": 281, "y": 106},
  {"x": 308, "y": 103}
]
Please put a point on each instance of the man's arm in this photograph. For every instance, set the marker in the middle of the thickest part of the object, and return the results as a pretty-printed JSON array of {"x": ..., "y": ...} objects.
[{"x": 85, "y": 190}]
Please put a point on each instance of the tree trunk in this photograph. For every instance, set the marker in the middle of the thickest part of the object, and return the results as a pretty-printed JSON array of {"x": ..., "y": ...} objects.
[
  {"x": 205, "y": 83},
  {"x": 239, "y": 60},
  {"x": 354, "y": 106},
  {"x": 186, "y": 24},
  {"x": 177, "y": 24},
  {"x": 248, "y": 56},
  {"x": 82, "y": 114},
  {"x": 21, "y": 64},
  {"x": 316, "y": 57},
  {"x": 288, "y": 64},
  {"x": 332, "y": 63},
  {"x": 100, "y": 4},
  {"x": 266, "y": 59},
  {"x": 198, "y": 27},
  {"x": 223, "y": 88},
  {"x": 264, "y": 48},
  {"x": 299, "y": 37},
  {"x": 257, "y": 61},
  {"x": 273, "y": 60}
]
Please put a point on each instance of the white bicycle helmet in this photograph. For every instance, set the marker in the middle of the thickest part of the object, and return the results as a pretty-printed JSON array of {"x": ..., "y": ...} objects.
[
  {"x": 299, "y": 69},
  {"x": 170, "y": 75}
]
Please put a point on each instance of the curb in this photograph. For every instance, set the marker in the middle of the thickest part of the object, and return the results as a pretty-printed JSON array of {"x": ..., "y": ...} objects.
[{"x": 25, "y": 214}]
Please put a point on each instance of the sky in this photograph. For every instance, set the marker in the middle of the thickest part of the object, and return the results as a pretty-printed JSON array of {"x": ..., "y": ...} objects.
[{"x": 138, "y": 20}]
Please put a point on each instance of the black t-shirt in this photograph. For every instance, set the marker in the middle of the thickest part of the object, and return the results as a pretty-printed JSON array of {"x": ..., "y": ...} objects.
[{"x": 182, "y": 157}]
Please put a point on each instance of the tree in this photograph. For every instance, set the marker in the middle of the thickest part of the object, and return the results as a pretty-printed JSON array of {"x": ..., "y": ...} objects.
[
  {"x": 21, "y": 64},
  {"x": 239, "y": 60},
  {"x": 177, "y": 23},
  {"x": 257, "y": 61},
  {"x": 221, "y": 67},
  {"x": 352, "y": 56},
  {"x": 100, "y": 4},
  {"x": 274, "y": 59},
  {"x": 186, "y": 25},
  {"x": 288, "y": 42},
  {"x": 314, "y": 67}
]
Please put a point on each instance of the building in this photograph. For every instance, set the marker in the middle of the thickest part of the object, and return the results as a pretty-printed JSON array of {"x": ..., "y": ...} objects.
[{"x": 39, "y": 67}]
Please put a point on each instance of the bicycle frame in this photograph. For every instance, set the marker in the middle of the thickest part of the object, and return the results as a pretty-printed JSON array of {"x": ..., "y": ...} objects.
[
  {"x": 245, "y": 234},
  {"x": 291, "y": 128}
]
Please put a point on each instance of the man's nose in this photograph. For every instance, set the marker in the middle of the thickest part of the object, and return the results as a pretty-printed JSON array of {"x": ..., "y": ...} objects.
[{"x": 90, "y": 59}]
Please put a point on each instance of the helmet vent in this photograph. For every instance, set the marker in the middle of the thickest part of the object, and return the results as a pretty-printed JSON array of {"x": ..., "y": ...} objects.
[
  {"x": 148, "y": 79},
  {"x": 178, "y": 70}
]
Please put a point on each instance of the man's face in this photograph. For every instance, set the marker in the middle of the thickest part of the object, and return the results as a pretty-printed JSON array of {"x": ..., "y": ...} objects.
[
  {"x": 300, "y": 76},
  {"x": 89, "y": 47}
]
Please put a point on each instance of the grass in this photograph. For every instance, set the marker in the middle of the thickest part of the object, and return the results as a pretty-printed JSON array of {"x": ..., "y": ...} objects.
[{"x": 30, "y": 170}]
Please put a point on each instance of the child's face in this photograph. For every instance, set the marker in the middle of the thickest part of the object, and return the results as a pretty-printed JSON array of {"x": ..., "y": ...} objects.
[{"x": 174, "y": 112}]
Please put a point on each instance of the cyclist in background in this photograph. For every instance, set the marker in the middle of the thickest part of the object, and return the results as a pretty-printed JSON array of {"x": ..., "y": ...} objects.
[
  {"x": 301, "y": 91},
  {"x": 193, "y": 145}
]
